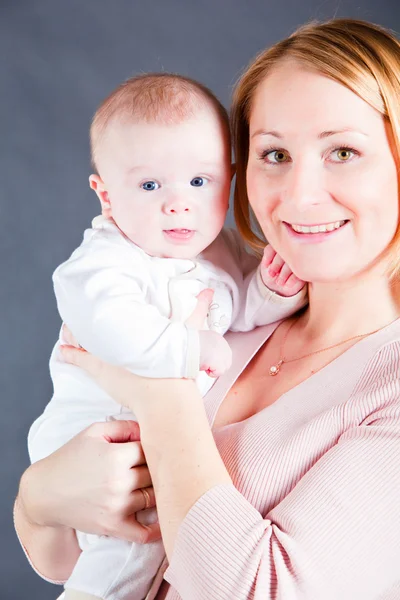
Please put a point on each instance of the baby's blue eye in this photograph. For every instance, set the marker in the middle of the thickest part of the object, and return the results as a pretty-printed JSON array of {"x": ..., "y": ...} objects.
[
  {"x": 150, "y": 186},
  {"x": 198, "y": 181}
]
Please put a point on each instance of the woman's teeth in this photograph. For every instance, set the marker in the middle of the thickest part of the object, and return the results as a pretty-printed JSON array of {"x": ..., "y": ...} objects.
[{"x": 317, "y": 228}]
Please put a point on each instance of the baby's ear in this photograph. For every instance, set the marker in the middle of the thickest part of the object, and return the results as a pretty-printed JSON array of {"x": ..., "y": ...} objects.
[{"x": 97, "y": 184}]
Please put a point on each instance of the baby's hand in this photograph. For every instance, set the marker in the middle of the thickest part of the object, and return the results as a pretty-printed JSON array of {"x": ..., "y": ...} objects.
[
  {"x": 277, "y": 275},
  {"x": 215, "y": 353}
]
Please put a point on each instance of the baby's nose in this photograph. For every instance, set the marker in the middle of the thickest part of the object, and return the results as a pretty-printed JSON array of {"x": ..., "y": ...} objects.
[{"x": 177, "y": 206}]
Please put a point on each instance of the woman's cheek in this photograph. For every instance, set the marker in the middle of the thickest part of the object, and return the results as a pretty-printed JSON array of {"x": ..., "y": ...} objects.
[
  {"x": 256, "y": 190},
  {"x": 263, "y": 200}
]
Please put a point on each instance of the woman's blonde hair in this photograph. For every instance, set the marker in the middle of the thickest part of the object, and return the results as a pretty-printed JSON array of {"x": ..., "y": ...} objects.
[{"x": 361, "y": 56}]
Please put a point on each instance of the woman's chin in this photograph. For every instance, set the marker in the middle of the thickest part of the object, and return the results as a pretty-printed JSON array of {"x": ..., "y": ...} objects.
[{"x": 321, "y": 275}]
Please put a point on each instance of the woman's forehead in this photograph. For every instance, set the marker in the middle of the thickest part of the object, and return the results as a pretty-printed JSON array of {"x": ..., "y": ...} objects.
[{"x": 295, "y": 99}]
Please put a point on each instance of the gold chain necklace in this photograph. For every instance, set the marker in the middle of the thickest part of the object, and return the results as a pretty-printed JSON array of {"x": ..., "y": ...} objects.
[{"x": 274, "y": 369}]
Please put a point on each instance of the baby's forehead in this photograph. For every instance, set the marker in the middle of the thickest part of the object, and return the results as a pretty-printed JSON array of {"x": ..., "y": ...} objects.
[
  {"x": 167, "y": 145},
  {"x": 204, "y": 122},
  {"x": 194, "y": 113}
]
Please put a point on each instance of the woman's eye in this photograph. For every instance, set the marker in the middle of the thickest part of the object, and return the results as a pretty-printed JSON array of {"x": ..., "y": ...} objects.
[
  {"x": 276, "y": 156},
  {"x": 198, "y": 181},
  {"x": 343, "y": 154},
  {"x": 150, "y": 186}
]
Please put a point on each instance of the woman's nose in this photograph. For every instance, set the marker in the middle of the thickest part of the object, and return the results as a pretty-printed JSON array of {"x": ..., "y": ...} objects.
[{"x": 304, "y": 186}]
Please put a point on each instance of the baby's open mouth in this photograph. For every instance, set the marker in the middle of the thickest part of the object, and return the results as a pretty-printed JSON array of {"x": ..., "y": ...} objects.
[{"x": 182, "y": 234}]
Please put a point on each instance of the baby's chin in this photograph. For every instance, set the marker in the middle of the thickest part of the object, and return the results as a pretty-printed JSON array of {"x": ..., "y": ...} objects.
[
  {"x": 180, "y": 250},
  {"x": 177, "y": 247},
  {"x": 180, "y": 253}
]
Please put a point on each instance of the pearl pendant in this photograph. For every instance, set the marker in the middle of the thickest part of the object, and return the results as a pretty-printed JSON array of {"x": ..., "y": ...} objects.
[{"x": 274, "y": 369}]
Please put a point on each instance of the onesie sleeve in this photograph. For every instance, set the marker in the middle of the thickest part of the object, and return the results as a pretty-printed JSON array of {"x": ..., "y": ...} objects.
[
  {"x": 101, "y": 297},
  {"x": 335, "y": 535},
  {"x": 262, "y": 306},
  {"x": 256, "y": 304}
]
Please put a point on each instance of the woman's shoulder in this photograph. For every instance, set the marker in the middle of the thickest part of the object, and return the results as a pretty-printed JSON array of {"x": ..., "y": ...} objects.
[
  {"x": 378, "y": 385},
  {"x": 385, "y": 346}
]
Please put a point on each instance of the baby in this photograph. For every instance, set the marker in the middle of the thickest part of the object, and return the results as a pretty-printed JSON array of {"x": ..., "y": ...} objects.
[{"x": 161, "y": 149}]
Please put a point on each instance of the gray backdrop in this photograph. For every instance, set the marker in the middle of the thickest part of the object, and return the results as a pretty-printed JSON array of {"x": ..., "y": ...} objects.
[{"x": 59, "y": 59}]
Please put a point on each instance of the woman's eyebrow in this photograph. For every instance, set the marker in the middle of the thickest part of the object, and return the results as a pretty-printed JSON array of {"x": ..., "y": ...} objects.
[
  {"x": 325, "y": 134},
  {"x": 322, "y": 135},
  {"x": 264, "y": 132}
]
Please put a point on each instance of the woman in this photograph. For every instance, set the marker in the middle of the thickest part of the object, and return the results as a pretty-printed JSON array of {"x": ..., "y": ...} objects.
[{"x": 285, "y": 482}]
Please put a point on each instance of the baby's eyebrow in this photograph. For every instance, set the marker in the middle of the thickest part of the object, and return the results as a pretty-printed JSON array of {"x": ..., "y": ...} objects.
[
  {"x": 209, "y": 163},
  {"x": 136, "y": 168}
]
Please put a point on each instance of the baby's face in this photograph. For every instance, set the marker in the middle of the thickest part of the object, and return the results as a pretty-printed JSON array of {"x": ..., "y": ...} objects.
[{"x": 167, "y": 185}]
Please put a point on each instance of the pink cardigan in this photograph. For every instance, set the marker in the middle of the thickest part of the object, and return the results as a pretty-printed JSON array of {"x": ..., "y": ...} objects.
[{"x": 314, "y": 511}]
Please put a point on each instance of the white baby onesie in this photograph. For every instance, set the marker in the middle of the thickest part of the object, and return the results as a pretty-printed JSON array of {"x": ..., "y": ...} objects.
[{"x": 130, "y": 309}]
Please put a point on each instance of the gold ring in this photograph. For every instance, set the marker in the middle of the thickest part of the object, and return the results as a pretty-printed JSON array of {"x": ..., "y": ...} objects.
[{"x": 146, "y": 496}]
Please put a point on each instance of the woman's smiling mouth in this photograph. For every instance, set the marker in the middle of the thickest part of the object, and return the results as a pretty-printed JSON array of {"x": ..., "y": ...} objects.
[
  {"x": 316, "y": 232},
  {"x": 324, "y": 228}
]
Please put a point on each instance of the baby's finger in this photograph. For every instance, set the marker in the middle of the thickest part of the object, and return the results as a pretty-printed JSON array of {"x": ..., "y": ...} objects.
[
  {"x": 294, "y": 282},
  {"x": 276, "y": 265},
  {"x": 284, "y": 275},
  {"x": 269, "y": 255}
]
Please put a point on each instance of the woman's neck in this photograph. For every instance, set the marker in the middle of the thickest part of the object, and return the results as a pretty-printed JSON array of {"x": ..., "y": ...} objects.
[{"x": 345, "y": 309}]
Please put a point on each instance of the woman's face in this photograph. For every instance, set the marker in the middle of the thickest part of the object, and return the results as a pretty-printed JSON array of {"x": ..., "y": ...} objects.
[{"x": 321, "y": 176}]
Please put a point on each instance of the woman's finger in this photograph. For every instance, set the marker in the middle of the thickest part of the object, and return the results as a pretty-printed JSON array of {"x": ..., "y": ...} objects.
[
  {"x": 119, "y": 383},
  {"x": 144, "y": 498},
  {"x": 68, "y": 337},
  {"x": 104, "y": 373},
  {"x": 132, "y": 455},
  {"x": 139, "y": 478},
  {"x": 116, "y": 431},
  {"x": 134, "y": 525},
  {"x": 132, "y": 531},
  {"x": 136, "y": 500}
]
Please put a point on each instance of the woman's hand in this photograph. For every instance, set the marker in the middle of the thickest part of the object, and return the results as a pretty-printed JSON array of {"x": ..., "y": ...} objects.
[
  {"x": 180, "y": 449},
  {"x": 93, "y": 484}
]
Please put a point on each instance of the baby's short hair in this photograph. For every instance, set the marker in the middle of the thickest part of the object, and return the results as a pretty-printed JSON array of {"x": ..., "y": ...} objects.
[{"x": 165, "y": 98}]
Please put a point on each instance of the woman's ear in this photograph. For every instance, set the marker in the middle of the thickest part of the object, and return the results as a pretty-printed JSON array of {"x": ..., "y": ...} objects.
[{"x": 98, "y": 185}]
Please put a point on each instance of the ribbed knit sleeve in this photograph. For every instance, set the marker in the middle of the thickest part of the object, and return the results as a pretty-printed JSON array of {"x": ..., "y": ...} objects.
[{"x": 334, "y": 536}]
